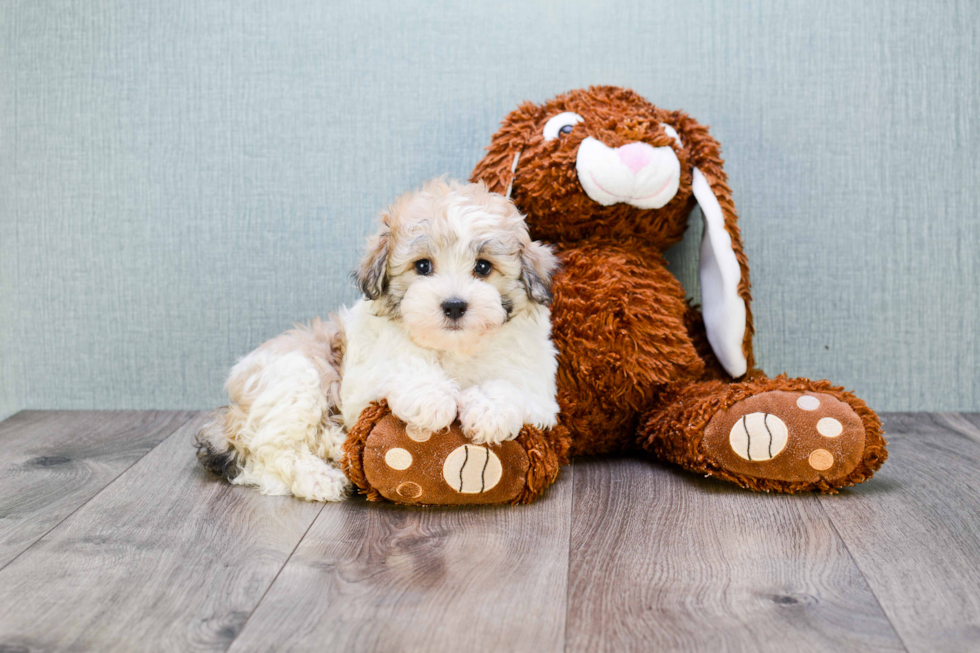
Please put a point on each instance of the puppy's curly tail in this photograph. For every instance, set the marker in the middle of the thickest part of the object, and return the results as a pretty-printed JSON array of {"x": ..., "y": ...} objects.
[{"x": 213, "y": 449}]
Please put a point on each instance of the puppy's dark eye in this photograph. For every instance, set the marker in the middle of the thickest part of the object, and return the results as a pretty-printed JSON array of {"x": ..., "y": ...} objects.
[
  {"x": 483, "y": 268},
  {"x": 567, "y": 129},
  {"x": 423, "y": 266}
]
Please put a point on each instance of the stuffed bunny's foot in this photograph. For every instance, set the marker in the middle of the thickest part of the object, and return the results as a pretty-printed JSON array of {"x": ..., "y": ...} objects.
[
  {"x": 386, "y": 460},
  {"x": 787, "y": 436},
  {"x": 780, "y": 434}
]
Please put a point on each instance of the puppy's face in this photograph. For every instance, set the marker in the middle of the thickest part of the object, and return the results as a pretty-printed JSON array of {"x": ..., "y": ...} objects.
[{"x": 453, "y": 263}]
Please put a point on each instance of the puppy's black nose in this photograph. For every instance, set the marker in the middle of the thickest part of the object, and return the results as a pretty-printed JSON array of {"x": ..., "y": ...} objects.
[{"x": 454, "y": 308}]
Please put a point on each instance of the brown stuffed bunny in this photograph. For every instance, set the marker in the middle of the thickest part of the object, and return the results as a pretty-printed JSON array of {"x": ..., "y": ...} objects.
[{"x": 610, "y": 179}]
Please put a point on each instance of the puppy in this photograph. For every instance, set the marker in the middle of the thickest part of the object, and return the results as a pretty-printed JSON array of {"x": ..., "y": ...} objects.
[{"x": 454, "y": 323}]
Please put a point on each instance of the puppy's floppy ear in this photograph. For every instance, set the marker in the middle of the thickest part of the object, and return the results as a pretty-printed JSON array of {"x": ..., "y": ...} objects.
[
  {"x": 724, "y": 268},
  {"x": 371, "y": 274},
  {"x": 538, "y": 263},
  {"x": 497, "y": 168}
]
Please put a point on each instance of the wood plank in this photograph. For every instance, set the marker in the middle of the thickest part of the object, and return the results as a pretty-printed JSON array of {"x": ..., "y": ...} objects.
[
  {"x": 662, "y": 560},
  {"x": 966, "y": 424},
  {"x": 165, "y": 558},
  {"x": 52, "y": 462},
  {"x": 376, "y": 577},
  {"x": 914, "y": 530}
]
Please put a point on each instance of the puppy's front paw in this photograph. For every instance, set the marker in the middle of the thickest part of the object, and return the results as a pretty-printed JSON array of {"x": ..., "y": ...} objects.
[
  {"x": 486, "y": 419},
  {"x": 425, "y": 409}
]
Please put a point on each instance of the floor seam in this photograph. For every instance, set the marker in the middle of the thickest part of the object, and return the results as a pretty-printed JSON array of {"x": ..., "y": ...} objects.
[
  {"x": 864, "y": 576},
  {"x": 948, "y": 420},
  {"x": 181, "y": 425},
  {"x": 568, "y": 556},
  {"x": 275, "y": 578}
]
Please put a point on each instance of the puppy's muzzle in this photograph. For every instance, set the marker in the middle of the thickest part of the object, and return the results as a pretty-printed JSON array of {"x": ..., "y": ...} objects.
[{"x": 454, "y": 309}]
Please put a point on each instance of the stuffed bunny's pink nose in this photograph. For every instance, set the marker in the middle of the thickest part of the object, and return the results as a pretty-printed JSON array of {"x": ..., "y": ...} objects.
[{"x": 636, "y": 156}]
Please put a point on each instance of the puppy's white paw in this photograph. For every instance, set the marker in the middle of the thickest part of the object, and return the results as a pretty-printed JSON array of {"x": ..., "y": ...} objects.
[
  {"x": 487, "y": 419},
  {"x": 317, "y": 480},
  {"x": 427, "y": 409}
]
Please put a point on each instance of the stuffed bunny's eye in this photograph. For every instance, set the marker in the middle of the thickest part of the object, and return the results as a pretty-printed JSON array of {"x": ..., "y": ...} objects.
[{"x": 560, "y": 125}]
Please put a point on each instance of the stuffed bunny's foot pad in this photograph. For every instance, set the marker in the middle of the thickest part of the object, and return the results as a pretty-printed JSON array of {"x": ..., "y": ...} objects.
[
  {"x": 787, "y": 436},
  {"x": 441, "y": 468}
]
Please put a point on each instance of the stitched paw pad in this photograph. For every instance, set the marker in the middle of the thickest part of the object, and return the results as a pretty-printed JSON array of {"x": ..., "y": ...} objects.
[
  {"x": 445, "y": 468},
  {"x": 787, "y": 436}
]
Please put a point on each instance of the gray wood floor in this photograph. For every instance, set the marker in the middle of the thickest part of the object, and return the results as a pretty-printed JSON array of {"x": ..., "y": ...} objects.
[{"x": 113, "y": 539}]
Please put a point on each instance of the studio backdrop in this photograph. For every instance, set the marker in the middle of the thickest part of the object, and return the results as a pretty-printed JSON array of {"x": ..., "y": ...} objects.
[{"x": 180, "y": 180}]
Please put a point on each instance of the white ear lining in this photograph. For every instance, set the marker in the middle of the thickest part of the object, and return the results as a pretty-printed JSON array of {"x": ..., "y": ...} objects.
[
  {"x": 722, "y": 306},
  {"x": 670, "y": 131},
  {"x": 513, "y": 171}
]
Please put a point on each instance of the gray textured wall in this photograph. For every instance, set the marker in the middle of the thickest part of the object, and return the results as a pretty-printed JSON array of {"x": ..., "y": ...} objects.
[{"x": 180, "y": 180}]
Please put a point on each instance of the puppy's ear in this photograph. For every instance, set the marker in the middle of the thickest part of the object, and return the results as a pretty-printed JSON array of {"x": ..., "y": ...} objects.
[
  {"x": 538, "y": 263},
  {"x": 371, "y": 274}
]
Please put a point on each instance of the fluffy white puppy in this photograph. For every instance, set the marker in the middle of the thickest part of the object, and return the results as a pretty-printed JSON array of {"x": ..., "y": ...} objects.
[{"x": 454, "y": 323}]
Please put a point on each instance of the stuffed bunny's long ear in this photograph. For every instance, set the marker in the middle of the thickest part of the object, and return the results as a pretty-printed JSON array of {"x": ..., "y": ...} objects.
[
  {"x": 498, "y": 167},
  {"x": 723, "y": 308}
]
